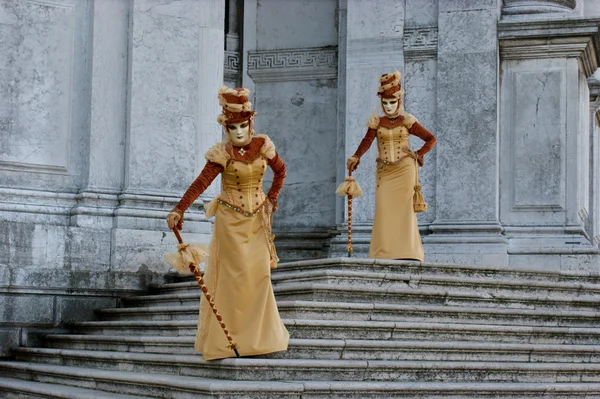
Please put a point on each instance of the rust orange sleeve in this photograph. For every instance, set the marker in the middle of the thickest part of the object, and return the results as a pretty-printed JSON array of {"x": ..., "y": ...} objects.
[
  {"x": 279, "y": 173},
  {"x": 209, "y": 173},
  {"x": 418, "y": 130},
  {"x": 366, "y": 142}
]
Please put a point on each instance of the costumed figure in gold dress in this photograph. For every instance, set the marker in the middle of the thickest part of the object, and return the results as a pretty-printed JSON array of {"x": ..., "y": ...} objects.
[
  {"x": 241, "y": 254},
  {"x": 395, "y": 228}
]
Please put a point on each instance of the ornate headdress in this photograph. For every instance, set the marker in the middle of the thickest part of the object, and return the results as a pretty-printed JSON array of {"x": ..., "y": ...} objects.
[
  {"x": 390, "y": 86},
  {"x": 236, "y": 107}
]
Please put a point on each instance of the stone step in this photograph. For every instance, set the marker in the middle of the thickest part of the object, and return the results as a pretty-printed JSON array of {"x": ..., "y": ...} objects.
[
  {"x": 183, "y": 387},
  {"x": 437, "y": 314},
  {"x": 247, "y": 369},
  {"x": 357, "y": 278},
  {"x": 406, "y": 296},
  {"x": 380, "y": 312},
  {"x": 372, "y": 330},
  {"x": 418, "y": 296},
  {"x": 526, "y": 276},
  {"x": 11, "y": 388},
  {"x": 348, "y": 349},
  {"x": 420, "y": 273}
]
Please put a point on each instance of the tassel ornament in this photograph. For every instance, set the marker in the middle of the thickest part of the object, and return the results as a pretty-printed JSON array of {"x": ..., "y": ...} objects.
[
  {"x": 419, "y": 204},
  {"x": 349, "y": 187}
]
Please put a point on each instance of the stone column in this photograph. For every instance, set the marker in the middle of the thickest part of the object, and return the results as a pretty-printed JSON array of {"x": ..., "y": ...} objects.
[
  {"x": 420, "y": 83},
  {"x": 545, "y": 141},
  {"x": 370, "y": 44},
  {"x": 521, "y": 7},
  {"x": 175, "y": 70},
  {"x": 466, "y": 227},
  {"x": 232, "y": 75},
  {"x": 593, "y": 220}
]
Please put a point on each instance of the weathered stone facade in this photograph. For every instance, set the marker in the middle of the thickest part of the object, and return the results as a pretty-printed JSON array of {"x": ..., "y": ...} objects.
[{"x": 106, "y": 107}]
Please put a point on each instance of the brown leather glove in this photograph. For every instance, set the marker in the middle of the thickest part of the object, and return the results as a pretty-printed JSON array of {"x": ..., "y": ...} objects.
[
  {"x": 273, "y": 203},
  {"x": 352, "y": 163}
]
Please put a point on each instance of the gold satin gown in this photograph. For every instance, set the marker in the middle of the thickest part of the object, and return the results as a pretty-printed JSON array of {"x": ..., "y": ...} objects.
[
  {"x": 238, "y": 272},
  {"x": 395, "y": 228}
]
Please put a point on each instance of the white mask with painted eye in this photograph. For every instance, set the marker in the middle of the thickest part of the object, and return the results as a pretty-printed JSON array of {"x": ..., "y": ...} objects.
[
  {"x": 239, "y": 133},
  {"x": 390, "y": 105}
]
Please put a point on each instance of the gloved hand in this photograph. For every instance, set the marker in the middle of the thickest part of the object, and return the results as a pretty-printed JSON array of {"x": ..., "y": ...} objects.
[
  {"x": 416, "y": 157},
  {"x": 274, "y": 204},
  {"x": 352, "y": 163},
  {"x": 175, "y": 219}
]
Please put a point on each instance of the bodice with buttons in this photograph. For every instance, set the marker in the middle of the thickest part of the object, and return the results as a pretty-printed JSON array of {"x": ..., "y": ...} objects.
[
  {"x": 392, "y": 143},
  {"x": 242, "y": 183}
]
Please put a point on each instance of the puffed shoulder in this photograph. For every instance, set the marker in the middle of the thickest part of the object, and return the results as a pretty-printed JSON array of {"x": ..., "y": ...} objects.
[
  {"x": 409, "y": 120},
  {"x": 218, "y": 154},
  {"x": 268, "y": 148},
  {"x": 373, "y": 122}
]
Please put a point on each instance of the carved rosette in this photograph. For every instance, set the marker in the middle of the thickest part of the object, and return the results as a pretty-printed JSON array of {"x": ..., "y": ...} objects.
[{"x": 515, "y": 7}]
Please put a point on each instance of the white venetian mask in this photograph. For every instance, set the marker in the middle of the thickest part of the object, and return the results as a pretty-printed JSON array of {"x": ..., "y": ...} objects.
[{"x": 239, "y": 133}]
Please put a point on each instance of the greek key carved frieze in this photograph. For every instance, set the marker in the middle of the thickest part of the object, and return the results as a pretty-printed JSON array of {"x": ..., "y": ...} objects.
[
  {"x": 231, "y": 65},
  {"x": 293, "y": 64},
  {"x": 420, "y": 42}
]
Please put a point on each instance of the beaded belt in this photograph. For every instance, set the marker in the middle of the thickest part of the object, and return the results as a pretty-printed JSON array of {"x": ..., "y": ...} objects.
[
  {"x": 392, "y": 163},
  {"x": 240, "y": 210}
]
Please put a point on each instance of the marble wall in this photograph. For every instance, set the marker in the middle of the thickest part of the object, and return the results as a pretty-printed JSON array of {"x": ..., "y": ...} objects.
[
  {"x": 107, "y": 107},
  {"x": 106, "y": 110},
  {"x": 45, "y": 84}
]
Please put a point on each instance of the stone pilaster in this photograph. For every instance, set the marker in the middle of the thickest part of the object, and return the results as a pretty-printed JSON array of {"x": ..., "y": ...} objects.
[
  {"x": 466, "y": 227},
  {"x": 103, "y": 179},
  {"x": 175, "y": 71},
  {"x": 420, "y": 82},
  {"x": 593, "y": 221},
  {"x": 546, "y": 144}
]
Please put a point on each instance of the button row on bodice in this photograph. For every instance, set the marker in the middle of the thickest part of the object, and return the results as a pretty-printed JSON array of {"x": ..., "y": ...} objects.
[
  {"x": 392, "y": 143},
  {"x": 242, "y": 183}
]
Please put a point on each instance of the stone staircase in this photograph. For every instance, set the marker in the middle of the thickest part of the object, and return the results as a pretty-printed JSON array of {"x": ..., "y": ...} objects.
[{"x": 360, "y": 329}]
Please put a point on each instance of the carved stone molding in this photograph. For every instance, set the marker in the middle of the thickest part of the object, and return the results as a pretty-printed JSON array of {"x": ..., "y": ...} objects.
[
  {"x": 293, "y": 64},
  {"x": 420, "y": 43},
  {"x": 561, "y": 39},
  {"x": 594, "y": 86},
  {"x": 512, "y": 7}
]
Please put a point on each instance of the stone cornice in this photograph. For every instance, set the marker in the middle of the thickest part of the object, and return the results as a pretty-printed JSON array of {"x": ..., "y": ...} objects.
[
  {"x": 577, "y": 38},
  {"x": 293, "y": 64}
]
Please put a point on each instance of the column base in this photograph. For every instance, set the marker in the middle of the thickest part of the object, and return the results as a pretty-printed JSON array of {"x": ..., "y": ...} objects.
[
  {"x": 490, "y": 244},
  {"x": 467, "y": 244}
]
